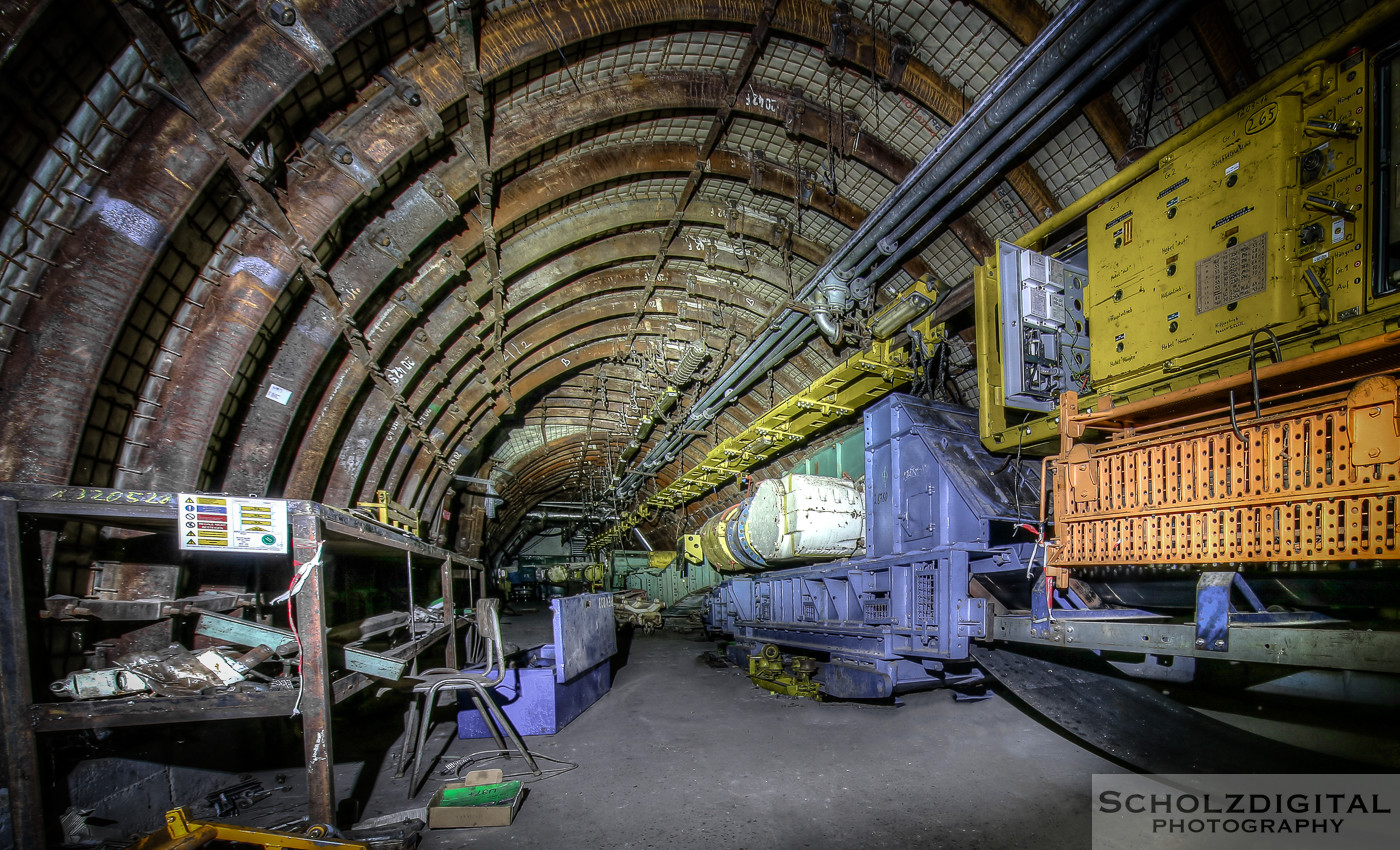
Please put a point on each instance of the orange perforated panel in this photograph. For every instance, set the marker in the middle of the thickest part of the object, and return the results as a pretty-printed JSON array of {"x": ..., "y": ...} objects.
[{"x": 1288, "y": 492}]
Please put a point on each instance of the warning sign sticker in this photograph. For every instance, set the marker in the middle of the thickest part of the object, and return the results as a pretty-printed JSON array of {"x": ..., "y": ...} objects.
[{"x": 228, "y": 524}]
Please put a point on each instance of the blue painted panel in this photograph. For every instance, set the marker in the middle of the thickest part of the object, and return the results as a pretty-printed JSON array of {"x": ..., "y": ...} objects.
[
  {"x": 585, "y": 633},
  {"x": 534, "y": 702}
]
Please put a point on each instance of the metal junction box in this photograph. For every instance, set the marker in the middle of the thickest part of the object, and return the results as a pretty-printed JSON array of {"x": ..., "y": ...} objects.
[{"x": 1044, "y": 342}]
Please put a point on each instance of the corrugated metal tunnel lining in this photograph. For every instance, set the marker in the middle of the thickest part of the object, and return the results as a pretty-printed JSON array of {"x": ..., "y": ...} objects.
[{"x": 158, "y": 334}]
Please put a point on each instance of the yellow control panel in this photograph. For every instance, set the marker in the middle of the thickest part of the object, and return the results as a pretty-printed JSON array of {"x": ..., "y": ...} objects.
[
  {"x": 1258, "y": 224},
  {"x": 1251, "y": 231}
]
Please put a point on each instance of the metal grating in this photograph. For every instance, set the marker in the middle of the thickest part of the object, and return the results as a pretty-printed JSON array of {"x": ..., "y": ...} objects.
[
  {"x": 319, "y": 96},
  {"x": 1003, "y": 214},
  {"x": 925, "y": 599},
  {"x": 52, "y": 157},
  {"x": 876, "y": 610},
  {"x": 1277, "y": 30},
  {"x": 1073, "y": 162},
  {"x": 1186, "y": 89},
  {"x": 703, "y": 51},
  {"x": 959, "y": 39}
]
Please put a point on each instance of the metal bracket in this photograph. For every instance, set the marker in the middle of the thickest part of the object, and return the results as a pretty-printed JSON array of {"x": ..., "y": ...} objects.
[
  {"x": 840, "y": 28},
  {"x": 383, "y": 241},
  {"x": 410, "y": 94},
  {"x": 425, "y": 339},
  {"x": 433, "y": 187},
  {"x": 1373, "y": 414},
  {"x": 250, "y": 633},
  {"x": 347, "y": 160},
  {"x": 1213, "y": 611},
  {"x": 901, "y": 51},
  {"x": 292, "y": 27}
]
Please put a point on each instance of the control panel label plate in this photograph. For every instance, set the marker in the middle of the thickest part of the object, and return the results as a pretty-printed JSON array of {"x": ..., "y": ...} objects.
[{"x": 1230, "y": 275}]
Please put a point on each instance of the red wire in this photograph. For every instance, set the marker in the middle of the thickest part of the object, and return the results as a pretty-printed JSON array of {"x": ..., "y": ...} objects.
[{"x": 292, "y": 620}]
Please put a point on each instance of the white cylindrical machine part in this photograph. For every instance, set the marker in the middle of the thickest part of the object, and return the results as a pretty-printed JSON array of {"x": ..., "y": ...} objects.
[{"x": 805, "y": 518}]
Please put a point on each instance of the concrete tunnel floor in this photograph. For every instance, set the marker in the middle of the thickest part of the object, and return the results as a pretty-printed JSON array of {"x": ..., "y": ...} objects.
[{"x": 679, "y": 755}]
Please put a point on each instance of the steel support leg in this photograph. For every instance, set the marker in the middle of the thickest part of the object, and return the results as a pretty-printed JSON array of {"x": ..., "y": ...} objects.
[
  {"x": 16, "y": 695},
  {"x": 316, "y": 694}
]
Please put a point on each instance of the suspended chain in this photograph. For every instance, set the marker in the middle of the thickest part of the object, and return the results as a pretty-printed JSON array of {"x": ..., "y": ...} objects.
[
  {"x": 757, "y": 40},
  {"x": 599, "y": 389},
  {"x": 1147, "y": 97},
  {"x": 466, "y": 19},
  {"x": 263, "y": 207}
]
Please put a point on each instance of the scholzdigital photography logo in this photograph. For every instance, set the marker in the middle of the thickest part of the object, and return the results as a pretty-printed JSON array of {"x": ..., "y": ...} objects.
[{"x": 1315, "y": 811}]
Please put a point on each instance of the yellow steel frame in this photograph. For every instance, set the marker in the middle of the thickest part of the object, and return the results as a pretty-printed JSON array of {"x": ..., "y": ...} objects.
[
  {"x": 861, "y": 379},
  {"x": 392, "y": 513},
  {"x": 180, "y": 831}
]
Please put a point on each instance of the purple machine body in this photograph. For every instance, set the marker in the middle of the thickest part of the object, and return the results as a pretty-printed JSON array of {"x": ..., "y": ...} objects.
[{"x": 558, "y": 680}]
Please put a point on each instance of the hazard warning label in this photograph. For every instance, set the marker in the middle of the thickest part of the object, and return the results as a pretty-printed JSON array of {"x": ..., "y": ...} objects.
[{"x": 228, "y": 524}]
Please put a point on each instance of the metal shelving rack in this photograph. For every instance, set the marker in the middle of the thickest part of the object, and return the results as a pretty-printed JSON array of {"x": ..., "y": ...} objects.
[{"x": 25, "y": 508}]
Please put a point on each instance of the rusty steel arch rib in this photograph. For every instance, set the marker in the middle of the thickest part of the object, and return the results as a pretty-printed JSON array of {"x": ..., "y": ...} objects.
[
  {"x": 518, "y": 254},
  {"x": 327, "y": 215},
  {"x": 570, "y": 311},
  {"x": 560, "y": 180},
  {"x": 247, "y": 69},
  {"x": 578, "y": 325},
  {"x": 517, "y": 36}
]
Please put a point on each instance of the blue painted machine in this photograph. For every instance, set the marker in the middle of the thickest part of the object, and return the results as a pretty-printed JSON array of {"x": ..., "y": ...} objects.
[
  {"x": 939, "y": 510},
  {"x": 951, "y": 558},
  {"x": 557, "y": 680}
]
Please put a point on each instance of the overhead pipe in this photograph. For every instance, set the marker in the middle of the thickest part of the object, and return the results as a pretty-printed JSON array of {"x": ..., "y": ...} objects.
[
  {"x": 1086, "y": 74},
  {"x": 835, "y": 282},
  {"x": 1046, "y": 83},
  {"x": 1033, "y": 70}
]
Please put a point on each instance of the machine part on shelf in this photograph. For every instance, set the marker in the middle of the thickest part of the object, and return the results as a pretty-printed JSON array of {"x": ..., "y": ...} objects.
[
  {"x": 172, "y": 672},
  {"x": 118, "y": 580},
  {"x": 767, "y": 671},
  {"x": 61, "y": 607},
  {"x": 182, "y": 833},
  {"x": 391, "y": 513},
  {"x": 357, "y": 659},
  {"x": 99, "y": 684}
]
